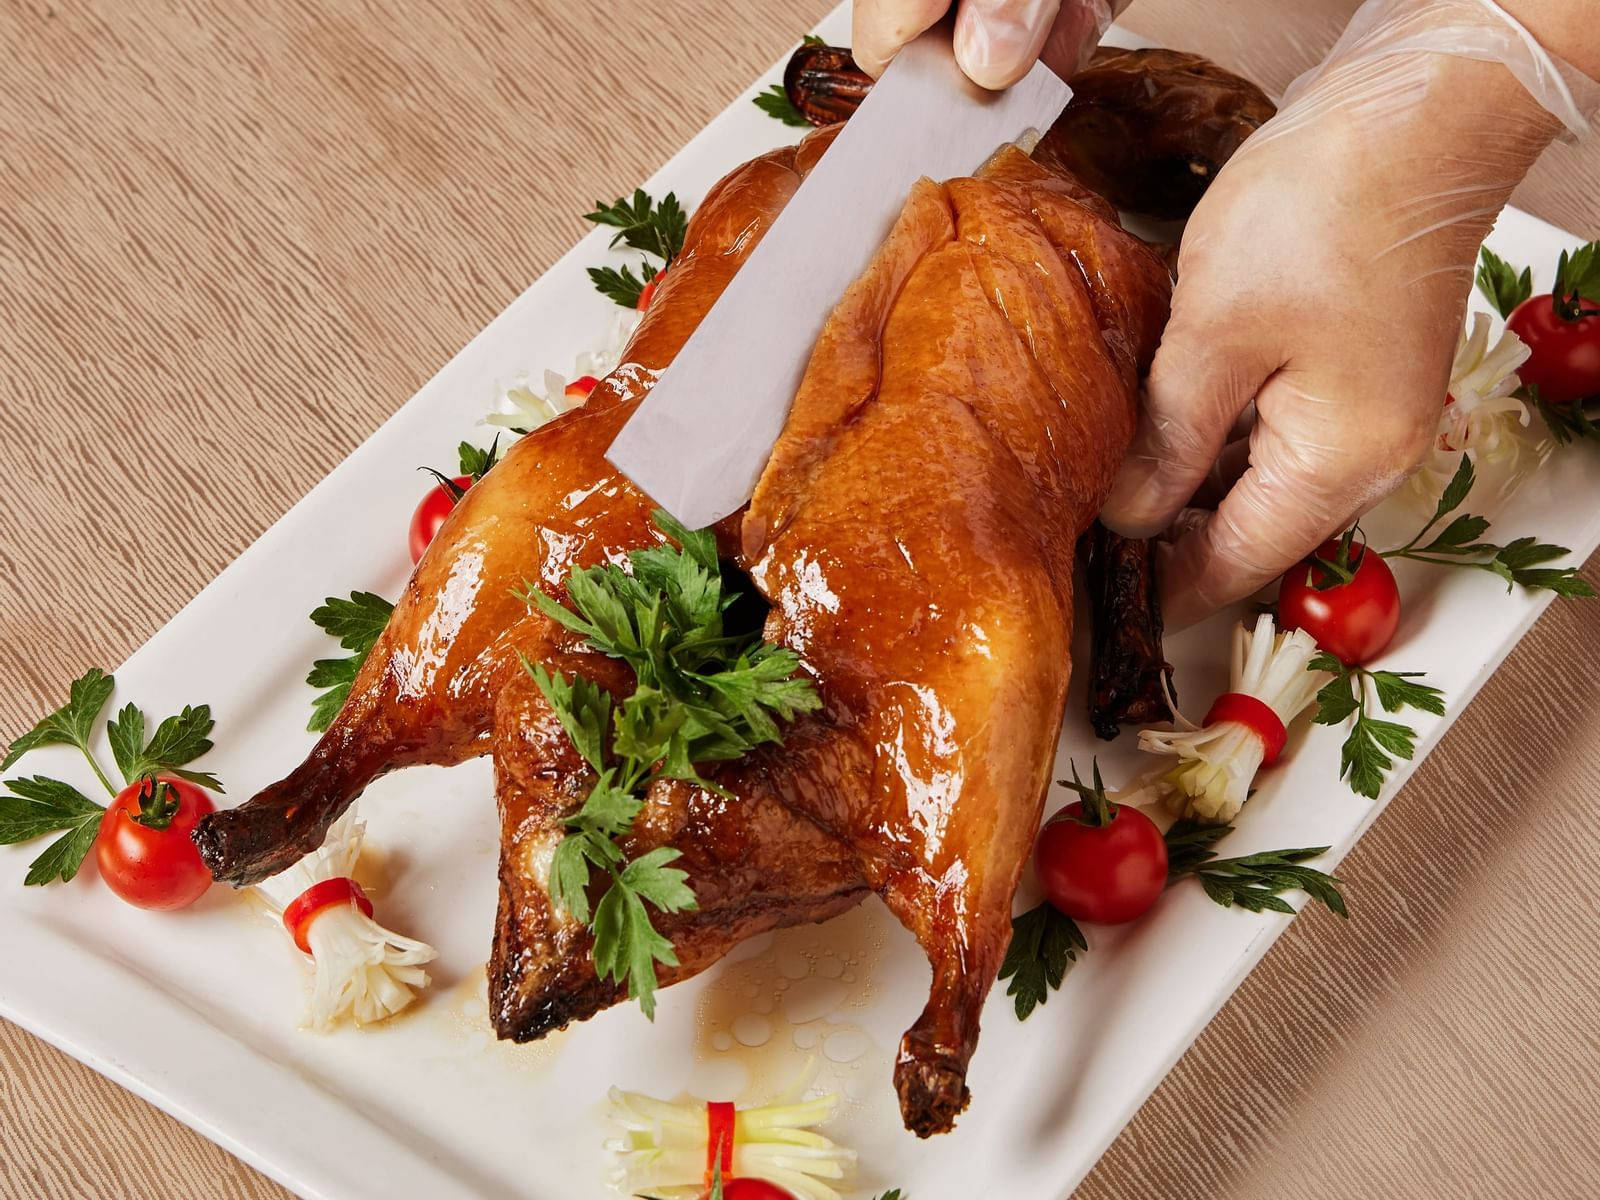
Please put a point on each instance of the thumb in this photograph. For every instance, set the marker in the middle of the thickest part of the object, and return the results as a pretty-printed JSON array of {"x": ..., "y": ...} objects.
[
  {"x": 1197, "y": 388},
  {"x": 997, "y": 41}
]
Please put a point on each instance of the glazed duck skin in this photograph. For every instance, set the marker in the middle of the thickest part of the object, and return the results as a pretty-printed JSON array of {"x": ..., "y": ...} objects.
[
  {"x": 959, "y": 425},
  {"x": 428, "y": 690}
]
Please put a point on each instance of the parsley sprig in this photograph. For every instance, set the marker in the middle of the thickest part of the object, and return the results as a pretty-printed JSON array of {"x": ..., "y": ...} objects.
[
  {"x": 1255, "y": 882},
  {"x": 655, "y": 229},
  {"x": 1577, "y": 280},
  {"x": 1520, "y": 562},
  {"x": 356, "y": 622},
  {"x": 1566, "y": 422},
  {"x": 1500, "y": 284},
  {"x": 34, "y": 806},
  {"x": 1044, "y": 943},
  {"x": 775, "y": 103},
  {"x": 1373, "y": 743},
  {"x": 705, "y": 693}
]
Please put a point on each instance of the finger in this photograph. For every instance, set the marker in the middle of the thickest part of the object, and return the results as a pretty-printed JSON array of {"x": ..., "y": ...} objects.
[
  {"x": 880, "y": 27},
  {"x": 1257, "y": 533},
  {"x": 1076, "y": 32},
  {"x": 997, "y": 41},
  {"x": 1231, "y": 463},
  {"x": 1197, "y": 390}
]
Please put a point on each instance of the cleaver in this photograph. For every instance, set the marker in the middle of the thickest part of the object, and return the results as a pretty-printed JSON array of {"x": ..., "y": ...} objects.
[{"x": 702, "y": 435}]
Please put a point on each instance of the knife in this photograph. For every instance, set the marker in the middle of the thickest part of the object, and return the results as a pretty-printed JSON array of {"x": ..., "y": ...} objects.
[{"x": 702, "y": 436}]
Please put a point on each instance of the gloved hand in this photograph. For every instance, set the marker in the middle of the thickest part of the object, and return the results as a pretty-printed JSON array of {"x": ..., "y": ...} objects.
[
  {"x": 996, "y": 41},
  {"x": 1322, "y": 283}
]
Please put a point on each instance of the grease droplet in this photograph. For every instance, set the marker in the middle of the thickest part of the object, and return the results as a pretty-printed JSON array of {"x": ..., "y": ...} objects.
[
  {"x": 752, "y": 1030},
  {"x": 845, "y": 1046}
]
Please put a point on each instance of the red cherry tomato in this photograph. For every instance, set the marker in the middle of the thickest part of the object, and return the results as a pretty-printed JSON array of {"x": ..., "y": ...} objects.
[
  {"x": 1352, "y": 621},
  {"x": 648, "y": 292},
  {"x": 431, "y": 513},
  {"x": 753, "y": 1189},
  {"x": 1565, "y": 363},
  {"x": 144, "y": 849},
  {"x": 1107, "y": 874}
]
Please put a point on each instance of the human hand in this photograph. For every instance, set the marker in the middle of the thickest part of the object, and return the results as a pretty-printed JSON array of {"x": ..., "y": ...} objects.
[
  {"x": 1322, "y": 283},
  {"x": 996, "y": 41}
]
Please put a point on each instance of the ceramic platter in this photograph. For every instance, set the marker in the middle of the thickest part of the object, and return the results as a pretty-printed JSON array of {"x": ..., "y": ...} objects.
[{"x": 207, "y": 1025}]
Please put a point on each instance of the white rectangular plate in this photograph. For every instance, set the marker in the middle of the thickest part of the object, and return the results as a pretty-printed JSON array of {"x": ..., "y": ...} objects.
[{"x": 198, "y": 1012}]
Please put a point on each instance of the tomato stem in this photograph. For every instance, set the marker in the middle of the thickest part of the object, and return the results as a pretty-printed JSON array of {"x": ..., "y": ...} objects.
[{"x": 1097, "y": 810}]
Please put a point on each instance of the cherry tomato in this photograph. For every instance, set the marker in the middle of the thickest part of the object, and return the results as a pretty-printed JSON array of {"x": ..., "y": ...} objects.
[
  {"x": 1352, "y": 621},
  {"x": 144, "y": 849},
  {"x": 1565, "y": 363},
  {"x": 431, "y": 513},
  {"x": 1107, "y": 874},
  {"x": 648, "y": 292},
  {"x": 753, "y": 1189}
]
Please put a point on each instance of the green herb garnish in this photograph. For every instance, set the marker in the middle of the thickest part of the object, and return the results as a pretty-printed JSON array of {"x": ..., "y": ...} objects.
[
  {"x": 1373, "y": 743},
  {"x": 775, "y": 102},
  {"x": 641, "y": 223},
  {"x": 704, "y": 694},
  {"x": 1255, "y": 881},
  {"x": 1520, "y": 562},
  {"x": 1044, "y": 943},
  {"x": 356, "y": 622},
  {"x": 1500, "y": 284}
]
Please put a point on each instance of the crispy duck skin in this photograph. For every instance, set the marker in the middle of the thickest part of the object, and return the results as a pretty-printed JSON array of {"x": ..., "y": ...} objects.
[{"x": 959, "y": 425}]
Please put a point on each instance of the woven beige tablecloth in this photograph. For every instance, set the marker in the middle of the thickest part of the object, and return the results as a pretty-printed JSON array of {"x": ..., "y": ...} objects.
[{"x": 235, "y": 237}]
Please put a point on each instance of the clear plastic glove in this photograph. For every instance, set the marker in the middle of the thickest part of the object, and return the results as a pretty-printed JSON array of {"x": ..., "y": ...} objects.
[
  {"x": 1322, "y": 284},
  {"x": 996, "y": 41}
]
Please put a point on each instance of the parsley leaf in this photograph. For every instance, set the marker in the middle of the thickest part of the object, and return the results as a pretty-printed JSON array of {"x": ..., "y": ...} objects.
[
  {"x": 626, "y": 944},
  {"x": 621, "y": 286},
  {"x": 475, "y": 461},
  {"x": 1519, "y": 562},
  {"x": 1566, "y": 422},
  {"x": 1578, "y": 276},
  {"x": 70, "y": 725},
  {"x": 775, "y": 102},
  {"x": 701, "y": 696},
  {"x": 178, "y": 740},
  {"x": 1500, "y": 284},
  {"x": 357, "y": 623},
  {"x": 37, "y": 806},
  {"x": 1255, "y": 882},
  {"x": 1044, "y": 943},
  {"x": 1373, "y": 744},
  {"x": 644, "y": 224}
]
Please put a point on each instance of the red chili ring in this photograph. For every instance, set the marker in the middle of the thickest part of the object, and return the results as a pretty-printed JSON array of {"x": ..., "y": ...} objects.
[
  {"x": 1256, "y": 716},
  {"x": 317, "y": 899},
  {"x": 719, "y": 1138}
]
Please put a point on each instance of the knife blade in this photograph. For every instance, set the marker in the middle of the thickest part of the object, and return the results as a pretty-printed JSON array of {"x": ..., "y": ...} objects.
[{"x": 702, "y": 436}]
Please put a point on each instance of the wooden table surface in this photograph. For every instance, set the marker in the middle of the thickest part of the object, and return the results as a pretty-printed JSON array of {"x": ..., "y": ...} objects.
[{"x": 234, "y": 238}]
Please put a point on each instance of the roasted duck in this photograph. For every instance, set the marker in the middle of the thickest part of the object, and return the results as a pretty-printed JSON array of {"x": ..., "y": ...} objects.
[{"x": 960, "y": 423}]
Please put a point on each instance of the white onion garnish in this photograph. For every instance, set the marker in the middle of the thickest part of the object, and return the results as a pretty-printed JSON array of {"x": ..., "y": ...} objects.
[
  {"x": 1218, "y": 763},
  {"x": 661, "y": 1148},
  {"x": 1484, "y": 418},
  {"x": 362, "y": 969},
  {"x": 527, "y": 404}
]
